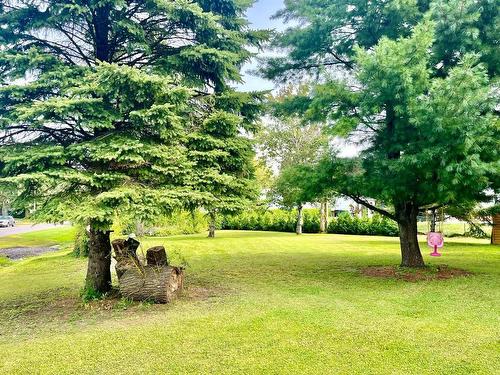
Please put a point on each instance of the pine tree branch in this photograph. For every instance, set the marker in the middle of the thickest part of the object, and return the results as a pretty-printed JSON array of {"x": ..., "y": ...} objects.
[
  {"x": 83, "y": 55},
  {"x": 365, "y": 203}
]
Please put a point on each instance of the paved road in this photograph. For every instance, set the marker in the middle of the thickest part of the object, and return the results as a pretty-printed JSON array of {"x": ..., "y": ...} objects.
[{"x": 24, "y": 228}]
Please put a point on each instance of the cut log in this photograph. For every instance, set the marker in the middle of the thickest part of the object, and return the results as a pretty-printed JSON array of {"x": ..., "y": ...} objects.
[
  {"x": 152, "y": 283},
  {"x": 125, "y": 255},
  {"x": 156, "y": 256},
  {"x": 155, "y": 282}
]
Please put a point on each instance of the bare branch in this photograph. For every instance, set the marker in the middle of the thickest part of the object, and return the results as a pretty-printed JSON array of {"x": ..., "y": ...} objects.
[{"x": 365, "y": 203}]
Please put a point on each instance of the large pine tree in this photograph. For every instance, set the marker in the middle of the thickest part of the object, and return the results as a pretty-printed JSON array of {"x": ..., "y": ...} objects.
[
  {"x": 410, "y": 81},
  {"x": 109, "y": 106}
]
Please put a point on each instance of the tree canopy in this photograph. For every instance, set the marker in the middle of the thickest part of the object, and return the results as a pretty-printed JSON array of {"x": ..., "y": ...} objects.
[
  {"x": 124, "y": 105},
  {"x": 325, "y": 33},
  {"x": 420, "y": 103}
]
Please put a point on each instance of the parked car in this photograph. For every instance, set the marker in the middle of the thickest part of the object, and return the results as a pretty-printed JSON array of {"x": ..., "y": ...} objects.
[{"x": 7, "y": 221}]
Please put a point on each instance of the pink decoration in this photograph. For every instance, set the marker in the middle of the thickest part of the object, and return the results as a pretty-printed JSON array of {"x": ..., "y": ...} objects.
[{"x": 435, "y": 240}]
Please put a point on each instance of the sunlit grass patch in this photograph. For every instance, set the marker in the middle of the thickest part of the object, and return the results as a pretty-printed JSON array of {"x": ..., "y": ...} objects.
[{"x": 261, "y": 303}]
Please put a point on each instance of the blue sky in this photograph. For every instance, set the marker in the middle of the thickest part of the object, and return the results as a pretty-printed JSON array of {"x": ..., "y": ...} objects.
[
  {"x": 259, "y": 16},
  {"x": 261, "y": 12}
]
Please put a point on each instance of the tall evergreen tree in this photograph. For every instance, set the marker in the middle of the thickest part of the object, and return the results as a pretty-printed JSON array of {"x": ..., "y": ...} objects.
[
  {"x": 224, "y": 156},
  {"x": 420, "y": 103},
  {"x": 430, "y": 141},
  {"x": 105, "y": 107}
]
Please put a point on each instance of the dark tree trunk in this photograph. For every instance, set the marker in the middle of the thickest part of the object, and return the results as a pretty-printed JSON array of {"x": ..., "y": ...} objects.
[
  {"x": 406, "y": 214},
  {"x": 99, "y": 263},
  {"x": 101, "y": 21},
  {"x": 211, "y": 225},
  {"x": 298, "y": 228}
]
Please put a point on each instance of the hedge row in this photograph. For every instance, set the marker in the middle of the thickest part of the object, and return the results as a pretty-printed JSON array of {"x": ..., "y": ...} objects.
[{"x": 285, "y": 221}]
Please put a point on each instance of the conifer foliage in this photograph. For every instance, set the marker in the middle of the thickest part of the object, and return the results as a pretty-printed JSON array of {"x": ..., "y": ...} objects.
[
  {"x": 109, "y": 106},
  {"x": 415, "y": 83}
]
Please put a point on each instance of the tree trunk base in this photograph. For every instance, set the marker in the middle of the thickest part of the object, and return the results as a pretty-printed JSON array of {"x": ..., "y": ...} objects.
[
  {"x": 99, "y": 263},
  {"x": 211, "y": 226},
  {"x": 323, "y": 223},
  {"x": 300, "y": 220},
  {"x": 495, "y": 231},
  {"x": 408, "y": 236}
]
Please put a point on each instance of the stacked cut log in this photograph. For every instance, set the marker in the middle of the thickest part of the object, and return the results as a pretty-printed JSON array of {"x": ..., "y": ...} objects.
[{"x": 156, "y": 281}]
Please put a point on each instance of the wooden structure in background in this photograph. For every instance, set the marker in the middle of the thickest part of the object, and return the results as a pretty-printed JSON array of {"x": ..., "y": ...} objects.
[{"x": 495, "y": 234}]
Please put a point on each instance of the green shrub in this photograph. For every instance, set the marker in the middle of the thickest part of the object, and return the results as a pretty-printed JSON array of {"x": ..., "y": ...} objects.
[
  {"x": 285, "y": 221},
  {"x": 375, "y": 226},
  {"x": 89, "y": 294},
  {"x": 179, "y": 222},
  {"x": 81, "y": 248},
  {"x": 476, "y": 231},
  {"x": 311, "y": 219}
]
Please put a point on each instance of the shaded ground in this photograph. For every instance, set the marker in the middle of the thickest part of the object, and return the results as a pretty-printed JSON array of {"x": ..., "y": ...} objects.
[
  {"x": 16, "y": 253},
  {"x": 440, "y": 272}
]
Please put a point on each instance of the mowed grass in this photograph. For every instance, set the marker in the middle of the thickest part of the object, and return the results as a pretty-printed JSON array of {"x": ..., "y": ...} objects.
[
  {"x": 48, "y": 237},
  {"x": 261, "y": 303}
]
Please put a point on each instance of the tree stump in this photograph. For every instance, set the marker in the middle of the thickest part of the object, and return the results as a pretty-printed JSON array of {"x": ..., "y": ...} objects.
[
  {"x": 125, "y": 255},
  {"x": 156, "y": 256},
  {"x": 157, "y": 281}
]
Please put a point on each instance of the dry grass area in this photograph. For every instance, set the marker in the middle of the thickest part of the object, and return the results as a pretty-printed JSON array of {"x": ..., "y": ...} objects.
[{"x": 439, "y": 272}]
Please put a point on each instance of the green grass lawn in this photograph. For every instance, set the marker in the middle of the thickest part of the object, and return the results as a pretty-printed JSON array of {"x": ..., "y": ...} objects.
[
  {"x": 260, "y": 303},
  {"x": 48, "y": 237}
]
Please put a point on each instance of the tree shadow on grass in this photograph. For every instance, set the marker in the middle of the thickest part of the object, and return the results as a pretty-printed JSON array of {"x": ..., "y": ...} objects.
[{"x": 214, "y": 276}]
